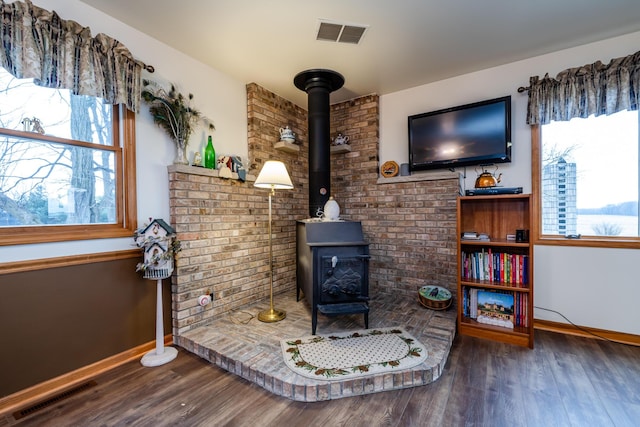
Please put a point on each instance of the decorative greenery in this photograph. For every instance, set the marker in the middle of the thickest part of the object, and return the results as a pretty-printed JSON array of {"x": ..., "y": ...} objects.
[{"x": 172, "y": 111}]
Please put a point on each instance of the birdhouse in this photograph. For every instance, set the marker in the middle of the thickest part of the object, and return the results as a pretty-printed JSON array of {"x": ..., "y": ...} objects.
[{"x": 159, "y": 245}]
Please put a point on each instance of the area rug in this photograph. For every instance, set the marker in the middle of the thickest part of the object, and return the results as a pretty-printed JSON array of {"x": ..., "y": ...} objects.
[{"x": 353, "y": 354}]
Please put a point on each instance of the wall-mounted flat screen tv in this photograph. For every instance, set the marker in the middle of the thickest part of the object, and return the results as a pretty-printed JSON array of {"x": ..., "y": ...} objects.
[{"x": 472, "y": 134}]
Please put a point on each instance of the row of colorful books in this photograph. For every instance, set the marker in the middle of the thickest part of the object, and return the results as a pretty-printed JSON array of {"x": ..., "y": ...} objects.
[
  {"x": 501, "y": 267},
  {"x": 497, "y": 308}
]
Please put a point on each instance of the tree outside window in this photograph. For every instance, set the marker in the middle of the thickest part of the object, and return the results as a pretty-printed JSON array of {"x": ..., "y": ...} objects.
[{"x": 63, "y": 168}]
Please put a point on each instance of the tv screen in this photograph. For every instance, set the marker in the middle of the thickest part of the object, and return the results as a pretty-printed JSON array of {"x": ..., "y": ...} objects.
[{"x": 472, "y": 134}]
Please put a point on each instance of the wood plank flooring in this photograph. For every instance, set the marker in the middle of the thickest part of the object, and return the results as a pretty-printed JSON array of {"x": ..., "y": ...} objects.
[{"x": 563, "y": 381}]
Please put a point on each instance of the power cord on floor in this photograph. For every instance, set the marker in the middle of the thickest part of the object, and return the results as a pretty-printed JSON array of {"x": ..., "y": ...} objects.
[
  {"x": 581, "y": 328},
  {"x": 234, "y": 314}
]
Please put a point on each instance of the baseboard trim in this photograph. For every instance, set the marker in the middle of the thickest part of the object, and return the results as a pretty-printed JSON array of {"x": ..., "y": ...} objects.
[
  {"x": 45, "y": 390},
  {"x": 66, "y": 261},
  {"x": 583, "y": 331}
]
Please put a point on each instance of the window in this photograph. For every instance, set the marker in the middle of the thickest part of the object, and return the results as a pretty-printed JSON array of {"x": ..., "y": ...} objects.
[
  {"x": 67, "y": 165},
  {"x": 587, "y": 173}
]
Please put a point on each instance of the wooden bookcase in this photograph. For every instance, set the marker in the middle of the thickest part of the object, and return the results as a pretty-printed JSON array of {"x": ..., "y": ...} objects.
[{"x": 482, "y": 265}]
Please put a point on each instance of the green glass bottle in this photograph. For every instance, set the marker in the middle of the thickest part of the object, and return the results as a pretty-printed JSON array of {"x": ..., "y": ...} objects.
[{"x": 210, "y": 155}]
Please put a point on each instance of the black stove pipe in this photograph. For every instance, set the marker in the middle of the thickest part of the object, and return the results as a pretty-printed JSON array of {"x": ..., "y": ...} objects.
[{"x": 318, "y": 84}]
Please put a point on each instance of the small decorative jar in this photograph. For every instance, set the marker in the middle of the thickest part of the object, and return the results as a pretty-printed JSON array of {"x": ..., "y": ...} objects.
[{"x": 331, "y": 210}]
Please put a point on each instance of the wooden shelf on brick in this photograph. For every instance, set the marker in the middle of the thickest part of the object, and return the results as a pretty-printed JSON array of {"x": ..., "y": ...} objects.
[
  {"x": 287, "y": 147},
  {"x": 337, "y": 149}
]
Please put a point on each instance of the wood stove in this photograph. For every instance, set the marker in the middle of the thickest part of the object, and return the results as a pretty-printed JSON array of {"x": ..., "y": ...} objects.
[
  {"x": 332, "y": 268},
  {"x": 333, "y": 258}
]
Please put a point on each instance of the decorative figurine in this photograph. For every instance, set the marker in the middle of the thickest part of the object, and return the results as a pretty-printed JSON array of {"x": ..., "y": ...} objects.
[
  {"x": 197, "y": 159},
  {"x": 224, "y": 167},
  {"x": 238, "y": 168}
]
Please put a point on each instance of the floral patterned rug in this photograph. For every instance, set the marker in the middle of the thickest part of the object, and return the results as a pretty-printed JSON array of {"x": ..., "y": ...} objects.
[{"x": 353, "y": 354}]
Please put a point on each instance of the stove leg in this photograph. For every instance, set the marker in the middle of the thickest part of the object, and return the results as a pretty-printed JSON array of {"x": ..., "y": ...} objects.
[
  {"x": 366, "y": 320},
  {"x": 314, "y": 320}
]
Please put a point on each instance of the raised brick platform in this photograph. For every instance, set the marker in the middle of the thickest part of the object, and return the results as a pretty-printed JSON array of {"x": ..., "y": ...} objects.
[{"x": 252, "y": 350}]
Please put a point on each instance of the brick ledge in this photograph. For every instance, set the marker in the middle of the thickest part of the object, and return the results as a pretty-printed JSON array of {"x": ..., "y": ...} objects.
[
  {"x": 421, "y": 176},
  {"x": 195, "y": 170}
]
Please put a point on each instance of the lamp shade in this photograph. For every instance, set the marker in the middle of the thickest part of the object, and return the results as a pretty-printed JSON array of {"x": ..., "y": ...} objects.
[{"x": 274, "y": 175}]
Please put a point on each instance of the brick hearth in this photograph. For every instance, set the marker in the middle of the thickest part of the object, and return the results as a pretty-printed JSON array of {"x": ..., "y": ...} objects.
[
  {"x": 252, "y": 351},
  {"x": 409, "y": 223}
]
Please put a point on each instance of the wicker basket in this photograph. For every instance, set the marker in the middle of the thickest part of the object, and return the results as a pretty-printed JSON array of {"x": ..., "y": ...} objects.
[{"x": 434, "y": 297}]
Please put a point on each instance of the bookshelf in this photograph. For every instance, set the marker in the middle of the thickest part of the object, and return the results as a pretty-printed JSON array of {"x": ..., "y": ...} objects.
[{"x": 495, "y": 272}]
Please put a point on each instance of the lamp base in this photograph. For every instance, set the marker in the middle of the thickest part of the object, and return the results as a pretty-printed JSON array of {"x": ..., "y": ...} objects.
[
  {"x": 271, "y": 315},
  {"x": 153, "y": 358}
]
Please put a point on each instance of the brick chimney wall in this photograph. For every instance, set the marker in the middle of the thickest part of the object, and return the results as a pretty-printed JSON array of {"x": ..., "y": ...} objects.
[
  {"x": 411, "y": 225},
  {"x": 222, "y": 223}
]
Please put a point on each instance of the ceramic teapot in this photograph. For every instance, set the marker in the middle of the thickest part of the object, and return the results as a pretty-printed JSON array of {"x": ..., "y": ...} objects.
[
  {"x": 287, "y": 134},
  {"x": 341, "y": 139},
  {"x": 487, "y": 179}
]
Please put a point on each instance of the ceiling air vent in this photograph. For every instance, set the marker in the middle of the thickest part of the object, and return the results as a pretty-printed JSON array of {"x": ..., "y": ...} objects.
[{"x": 341, "y": 33}]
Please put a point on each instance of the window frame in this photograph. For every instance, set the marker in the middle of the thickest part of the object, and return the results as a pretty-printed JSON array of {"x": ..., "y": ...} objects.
[
  {"x": 124, "y": 143},
  {"x": 537, "y": 237}
]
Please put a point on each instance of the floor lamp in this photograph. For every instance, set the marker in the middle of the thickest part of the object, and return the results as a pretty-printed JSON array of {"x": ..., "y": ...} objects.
[{"x": 273, "y": 176}]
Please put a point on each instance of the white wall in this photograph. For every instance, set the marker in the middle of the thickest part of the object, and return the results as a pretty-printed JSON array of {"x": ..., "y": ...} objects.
[
  {"x": 592, "y": 287},
  {"x": 216, "y": 95}
]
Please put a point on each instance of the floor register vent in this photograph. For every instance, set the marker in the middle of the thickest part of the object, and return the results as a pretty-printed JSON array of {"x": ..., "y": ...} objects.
[{"x": 53, "y": 400}]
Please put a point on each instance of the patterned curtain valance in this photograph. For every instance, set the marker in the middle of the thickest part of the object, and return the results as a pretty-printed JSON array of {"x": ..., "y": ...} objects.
[
  {"x": 582, "y": 91},
  {"x": 61, "y": 54}
]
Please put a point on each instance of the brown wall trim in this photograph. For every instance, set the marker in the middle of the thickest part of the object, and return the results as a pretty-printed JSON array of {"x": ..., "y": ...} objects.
[
  {"x": 45, "y": 263},
  {"x": 45, "y": 390},
  {"x": 582, "y": 331}
]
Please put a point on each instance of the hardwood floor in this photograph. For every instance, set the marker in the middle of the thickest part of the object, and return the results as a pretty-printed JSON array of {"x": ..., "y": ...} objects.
[{"x": 564, "y": 381}]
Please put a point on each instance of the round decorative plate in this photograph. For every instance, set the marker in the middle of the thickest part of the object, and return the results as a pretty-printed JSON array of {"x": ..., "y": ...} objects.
[
  {"x": 434, "y": 297},
  {"x": 389, "y": 169}
]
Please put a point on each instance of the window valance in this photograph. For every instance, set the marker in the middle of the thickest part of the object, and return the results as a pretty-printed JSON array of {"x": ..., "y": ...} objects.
[
  {"x": 62, "y": 54},
  {"x": 582, "y": 91}
]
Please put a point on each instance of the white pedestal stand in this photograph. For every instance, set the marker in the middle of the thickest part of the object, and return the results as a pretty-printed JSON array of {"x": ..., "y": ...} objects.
[{"x": 161, "y": 354}]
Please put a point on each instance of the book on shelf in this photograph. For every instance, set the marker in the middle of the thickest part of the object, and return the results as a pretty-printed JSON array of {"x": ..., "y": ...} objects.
[
  {"x": 472, "y": 235},
  {"x": 501, "y": 267},
  {"x": 496, "y": 308},
  {"x": 470, "y": 303},
  {"x": 522, "y": 310},
  {"x": 512, "y": 309}
]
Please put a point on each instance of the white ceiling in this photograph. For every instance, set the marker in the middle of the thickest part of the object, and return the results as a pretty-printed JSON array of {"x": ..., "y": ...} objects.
[{"x": 407, "y": 43}]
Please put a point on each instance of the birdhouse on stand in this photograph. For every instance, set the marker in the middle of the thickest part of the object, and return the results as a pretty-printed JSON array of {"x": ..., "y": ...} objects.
[{"x": 159, "y": 243}]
